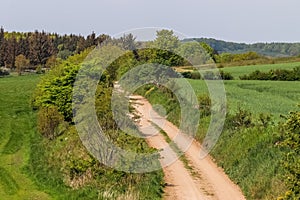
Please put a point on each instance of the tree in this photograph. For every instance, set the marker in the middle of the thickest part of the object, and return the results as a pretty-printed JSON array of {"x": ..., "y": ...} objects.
[
  {"x": 194, "y": 52},
  {"x": 21, "y": 63},
  {"x": 164, "y": 48},
  {"x": 41, "y": 48},
  {"x": 209, "y": 50},
  {"x": 1, "y": 46},
  {"x": 165, "y": 39},
  {"x": 11, "y": 51}
]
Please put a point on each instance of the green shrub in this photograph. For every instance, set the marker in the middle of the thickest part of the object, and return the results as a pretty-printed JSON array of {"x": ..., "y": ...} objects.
[
  {"x": 226, "y": 75},
  {"x": 292, "y": 159},
  {"x": 274, "y": 75},
  {"x": 204, "y": 105},
  {"x": 242, "y": 118},
  {"x": 49, "y": 120}
]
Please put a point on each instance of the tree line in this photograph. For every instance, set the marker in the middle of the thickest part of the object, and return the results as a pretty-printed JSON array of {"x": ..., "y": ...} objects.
[
  {"x": 37, "y": 48},
  {"x": 267, "y": 49}
]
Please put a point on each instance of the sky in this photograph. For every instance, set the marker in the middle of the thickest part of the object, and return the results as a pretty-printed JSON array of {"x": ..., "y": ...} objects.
[{"x": 246, "y": 21}]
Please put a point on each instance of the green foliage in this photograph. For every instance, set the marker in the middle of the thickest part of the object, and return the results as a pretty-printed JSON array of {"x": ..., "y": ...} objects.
[
  {"x": 292, "y": 159},
  {"x": 226, "y": 75},
  {"x": 244, "y": 70},
  {"x": 268, "y": 49},
  {"x": 242, "y": 118},
  {"x": 68, "y": 158},
  {"x": 49, "y": 120},
  {"x": 274, "y": 75},
  {"x": 56, "y": 87},
  {"x": 191, "y": 74},
  {"x": 248, "y": 148},
  {"x": 165, "y": 39},
  {"x": 162, "y": 49},
  {"x": 21, "y": 63},
  {"x": 252, "y": 159},
  {"x": 204, "y": 105}
]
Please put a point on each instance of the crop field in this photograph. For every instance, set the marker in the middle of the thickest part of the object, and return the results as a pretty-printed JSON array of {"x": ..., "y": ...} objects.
[
  {"x": 272, "y": 97},
  {"x": 242, "y": 70}
]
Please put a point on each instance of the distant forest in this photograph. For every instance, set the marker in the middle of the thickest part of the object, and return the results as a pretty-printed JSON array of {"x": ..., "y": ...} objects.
[
  {"x": 266, "y": 49},
  {"x": 38, "y": 49},
  {"x": 41, "y": 48}
]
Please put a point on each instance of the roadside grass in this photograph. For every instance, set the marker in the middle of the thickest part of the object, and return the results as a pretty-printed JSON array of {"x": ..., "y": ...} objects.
[
  {"x": 250, "y": 156},
  {"x": 252, "y": 159}
]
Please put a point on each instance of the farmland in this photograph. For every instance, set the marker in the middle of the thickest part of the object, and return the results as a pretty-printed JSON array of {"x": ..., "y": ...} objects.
[
  {"x": 273, "y": 97},
  {"x": 243, "y": 70},
  {"x": 17, "y": 122}
]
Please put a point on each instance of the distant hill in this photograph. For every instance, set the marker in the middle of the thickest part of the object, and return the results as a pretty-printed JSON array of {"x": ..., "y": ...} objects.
[{"x": 267, "y": 49}]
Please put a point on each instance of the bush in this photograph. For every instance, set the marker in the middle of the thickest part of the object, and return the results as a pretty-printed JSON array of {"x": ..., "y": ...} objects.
[
  {"x": 242, "y": 118},
  {"x": 204, "y": 105},
  {"x": 292, "y": 159},
  {"x": 186, "y": 74},
  {"x": 3, "y": 72},
  {"x": 226, "y": 75},
  {"x": 49, "y": 120},
  {"x": 274, "y": 75}
]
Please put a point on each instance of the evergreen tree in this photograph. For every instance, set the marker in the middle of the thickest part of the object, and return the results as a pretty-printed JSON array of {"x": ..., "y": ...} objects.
[{"x": 2, "y": 49}]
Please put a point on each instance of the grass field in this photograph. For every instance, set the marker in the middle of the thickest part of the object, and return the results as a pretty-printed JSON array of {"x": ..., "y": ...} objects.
[
  {"x": 17, "y": 125},
  {"x": 33, "y": 167},
  {"x": 242, "y": 70},
  {"x": 272, "y": 97}
]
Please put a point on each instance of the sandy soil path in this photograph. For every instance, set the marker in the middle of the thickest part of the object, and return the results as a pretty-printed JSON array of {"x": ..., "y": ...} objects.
[{"x": 207, "y": 180}]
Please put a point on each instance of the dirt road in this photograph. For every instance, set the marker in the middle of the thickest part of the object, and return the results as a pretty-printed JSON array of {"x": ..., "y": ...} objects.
[{"x": 207, "y": 180}]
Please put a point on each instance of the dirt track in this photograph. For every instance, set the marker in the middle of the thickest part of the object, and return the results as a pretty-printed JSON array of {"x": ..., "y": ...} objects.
[{"x": 207, "y": 180}]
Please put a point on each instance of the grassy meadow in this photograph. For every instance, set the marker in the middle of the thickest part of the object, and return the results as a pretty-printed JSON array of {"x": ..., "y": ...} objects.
[
  {"x": 17, "y": 122},
  {"x": 271, "y": 97},
  {"x": 33, "y": 167},
  {"x": 238, "y": 71}
]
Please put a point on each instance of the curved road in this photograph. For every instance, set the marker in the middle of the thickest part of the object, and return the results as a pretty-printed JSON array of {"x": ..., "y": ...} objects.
[{"x": 207, "y": 180}]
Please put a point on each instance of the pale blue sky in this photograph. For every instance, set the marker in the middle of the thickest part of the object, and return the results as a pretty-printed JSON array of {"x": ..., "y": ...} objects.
[{"x": 231, "y": 20}]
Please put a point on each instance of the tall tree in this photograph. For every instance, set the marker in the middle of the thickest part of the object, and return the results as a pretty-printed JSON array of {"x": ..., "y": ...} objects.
[
  {"x": 164, "y": 48},
  {"x": 10, "y": 51},
  {"x": 165, "y": 39},
  {"x": 41, "y": 48},
  {"x": 2, "y": 50}
]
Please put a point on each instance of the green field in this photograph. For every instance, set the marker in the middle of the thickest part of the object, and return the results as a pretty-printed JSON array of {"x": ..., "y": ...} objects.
[
  {"x": 272, "y": 97},
  {"x": 242, "y": 70},
  {"x": 17, "y": 122},
  {"x": 250, "y": 156},
  {"x": 34, "y": 167}
]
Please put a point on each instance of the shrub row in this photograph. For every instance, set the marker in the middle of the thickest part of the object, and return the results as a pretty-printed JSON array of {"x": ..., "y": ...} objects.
[
  {"x": 274, "y": 75},
  {"x": 208, "y": 75}
]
